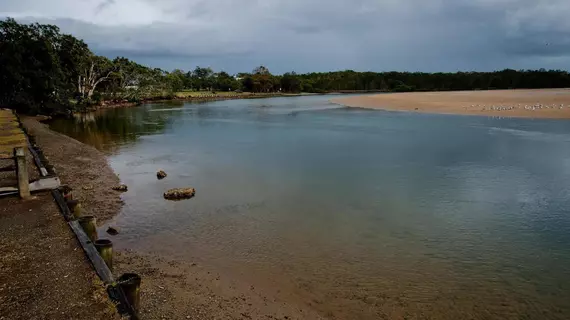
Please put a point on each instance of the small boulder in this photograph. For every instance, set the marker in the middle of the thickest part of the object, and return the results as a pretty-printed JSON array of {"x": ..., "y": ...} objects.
[
  {"x": 113, "y": 231},
  {"x": 179, "y": 193},
  {"x": 121, "y": 187},
  {"x": 161, "y": 174}
]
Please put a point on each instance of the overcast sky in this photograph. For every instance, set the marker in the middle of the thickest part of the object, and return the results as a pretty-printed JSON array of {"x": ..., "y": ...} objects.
[{"x": 316, "y": 35}]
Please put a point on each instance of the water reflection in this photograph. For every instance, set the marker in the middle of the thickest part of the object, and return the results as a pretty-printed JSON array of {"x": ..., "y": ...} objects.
[{"x": 108, "y": 129}]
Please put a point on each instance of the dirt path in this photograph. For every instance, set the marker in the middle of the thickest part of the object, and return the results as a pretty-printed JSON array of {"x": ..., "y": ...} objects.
[
  {"x": 44, "y": 274},
  {"x": 543, "y": 103},
  {"x": 80, "y": 166}
]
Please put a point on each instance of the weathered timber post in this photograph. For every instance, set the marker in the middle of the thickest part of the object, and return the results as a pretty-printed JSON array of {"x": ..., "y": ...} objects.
[
  {"x": 131, "y": 284},
  {"x": 88, "y": 223},
  {"x": 75, "y": 208},
  {"x": 22, "y": 173},
  {"x": 105, "y": 249}
]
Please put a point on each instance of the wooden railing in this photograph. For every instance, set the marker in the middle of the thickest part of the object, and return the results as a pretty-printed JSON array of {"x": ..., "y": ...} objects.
[{"x": 13, "y": 145}]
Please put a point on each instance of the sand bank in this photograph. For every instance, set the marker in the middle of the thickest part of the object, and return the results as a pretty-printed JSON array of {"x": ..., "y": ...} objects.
[{"x": 540, "y": 103}]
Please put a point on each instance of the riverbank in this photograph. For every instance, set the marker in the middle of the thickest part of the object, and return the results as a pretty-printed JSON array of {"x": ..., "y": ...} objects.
[
  {"x": 81, "y": 167},
  {"x": 539, "y": 103},
  {"x": 170, "y": 289},
  {"x": 44, "y": 273}
]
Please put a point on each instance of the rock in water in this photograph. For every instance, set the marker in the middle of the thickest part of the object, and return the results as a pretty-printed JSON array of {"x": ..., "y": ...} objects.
[
  {"x": 179, "y": 193},
  {"x": 161, "y": 174},
  {"x": 113, "y": 231},
  {"x": 121, "y": 187}
]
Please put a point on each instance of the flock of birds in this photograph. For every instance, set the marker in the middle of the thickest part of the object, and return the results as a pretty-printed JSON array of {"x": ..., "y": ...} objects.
[{"x": 533, "y": 107}]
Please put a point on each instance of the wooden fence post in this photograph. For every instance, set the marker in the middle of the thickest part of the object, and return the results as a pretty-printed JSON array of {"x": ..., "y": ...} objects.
[
  {"x": 22, "y": 172},
  {"x": 89, "y": 225},
  {"x": 105, "y": 249},
  {"x": 130, "y": 283},
  {"x": 75, "y": 208}
]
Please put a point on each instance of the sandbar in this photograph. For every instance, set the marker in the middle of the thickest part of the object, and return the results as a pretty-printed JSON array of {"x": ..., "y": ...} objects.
[{"x": 532, "y": 103}]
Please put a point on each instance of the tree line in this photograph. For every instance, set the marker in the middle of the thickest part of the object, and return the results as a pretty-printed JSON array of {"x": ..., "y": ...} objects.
[{"x": 45, "y": 71}]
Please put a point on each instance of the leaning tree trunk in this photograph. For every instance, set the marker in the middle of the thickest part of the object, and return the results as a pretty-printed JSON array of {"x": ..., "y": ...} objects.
[{"x": 88, "y": 82}]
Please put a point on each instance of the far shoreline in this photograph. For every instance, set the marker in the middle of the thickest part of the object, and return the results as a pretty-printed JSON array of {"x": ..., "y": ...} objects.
[
  {"x": 205, "y": 97},
  {"x": 210, "y": 97},
  {"x": 516, "y": 103}
]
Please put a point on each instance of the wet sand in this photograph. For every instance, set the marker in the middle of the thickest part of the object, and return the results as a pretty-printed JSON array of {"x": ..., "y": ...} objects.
[
  {"x": 540, "y": 103},
  {"x": 178, "y": 289}
]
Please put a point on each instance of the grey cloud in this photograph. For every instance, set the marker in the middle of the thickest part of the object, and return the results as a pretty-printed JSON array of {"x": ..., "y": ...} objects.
[
  {"x": 439, "y": 35},
  {"x": 103, "y": 5}
]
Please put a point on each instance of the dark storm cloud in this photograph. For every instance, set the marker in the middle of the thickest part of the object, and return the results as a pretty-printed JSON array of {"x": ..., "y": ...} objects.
[{"x": 439, "y": 35}]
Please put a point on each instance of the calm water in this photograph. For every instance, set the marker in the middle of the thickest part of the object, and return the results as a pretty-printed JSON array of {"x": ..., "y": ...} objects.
[{"x": 368, "y": 213}]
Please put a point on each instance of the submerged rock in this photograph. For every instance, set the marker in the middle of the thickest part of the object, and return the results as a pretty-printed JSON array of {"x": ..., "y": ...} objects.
[
  {"x": 113, "y": 231},
  {"x": 121, "y": 187},
  {"x": 161, "y": 174},
  {"x": 179, "y": 193}
]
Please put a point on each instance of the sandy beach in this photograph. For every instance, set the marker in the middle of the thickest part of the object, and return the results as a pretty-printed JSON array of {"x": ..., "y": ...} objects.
[{"x": 540, "y": 103}]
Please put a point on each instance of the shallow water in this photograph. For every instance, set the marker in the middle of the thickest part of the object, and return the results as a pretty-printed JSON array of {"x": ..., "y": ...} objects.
[{"x": 369, "y": 214}]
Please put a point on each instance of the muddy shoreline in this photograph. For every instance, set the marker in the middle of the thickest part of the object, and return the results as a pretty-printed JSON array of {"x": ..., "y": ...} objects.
[{"x": 171, "y": 289}]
